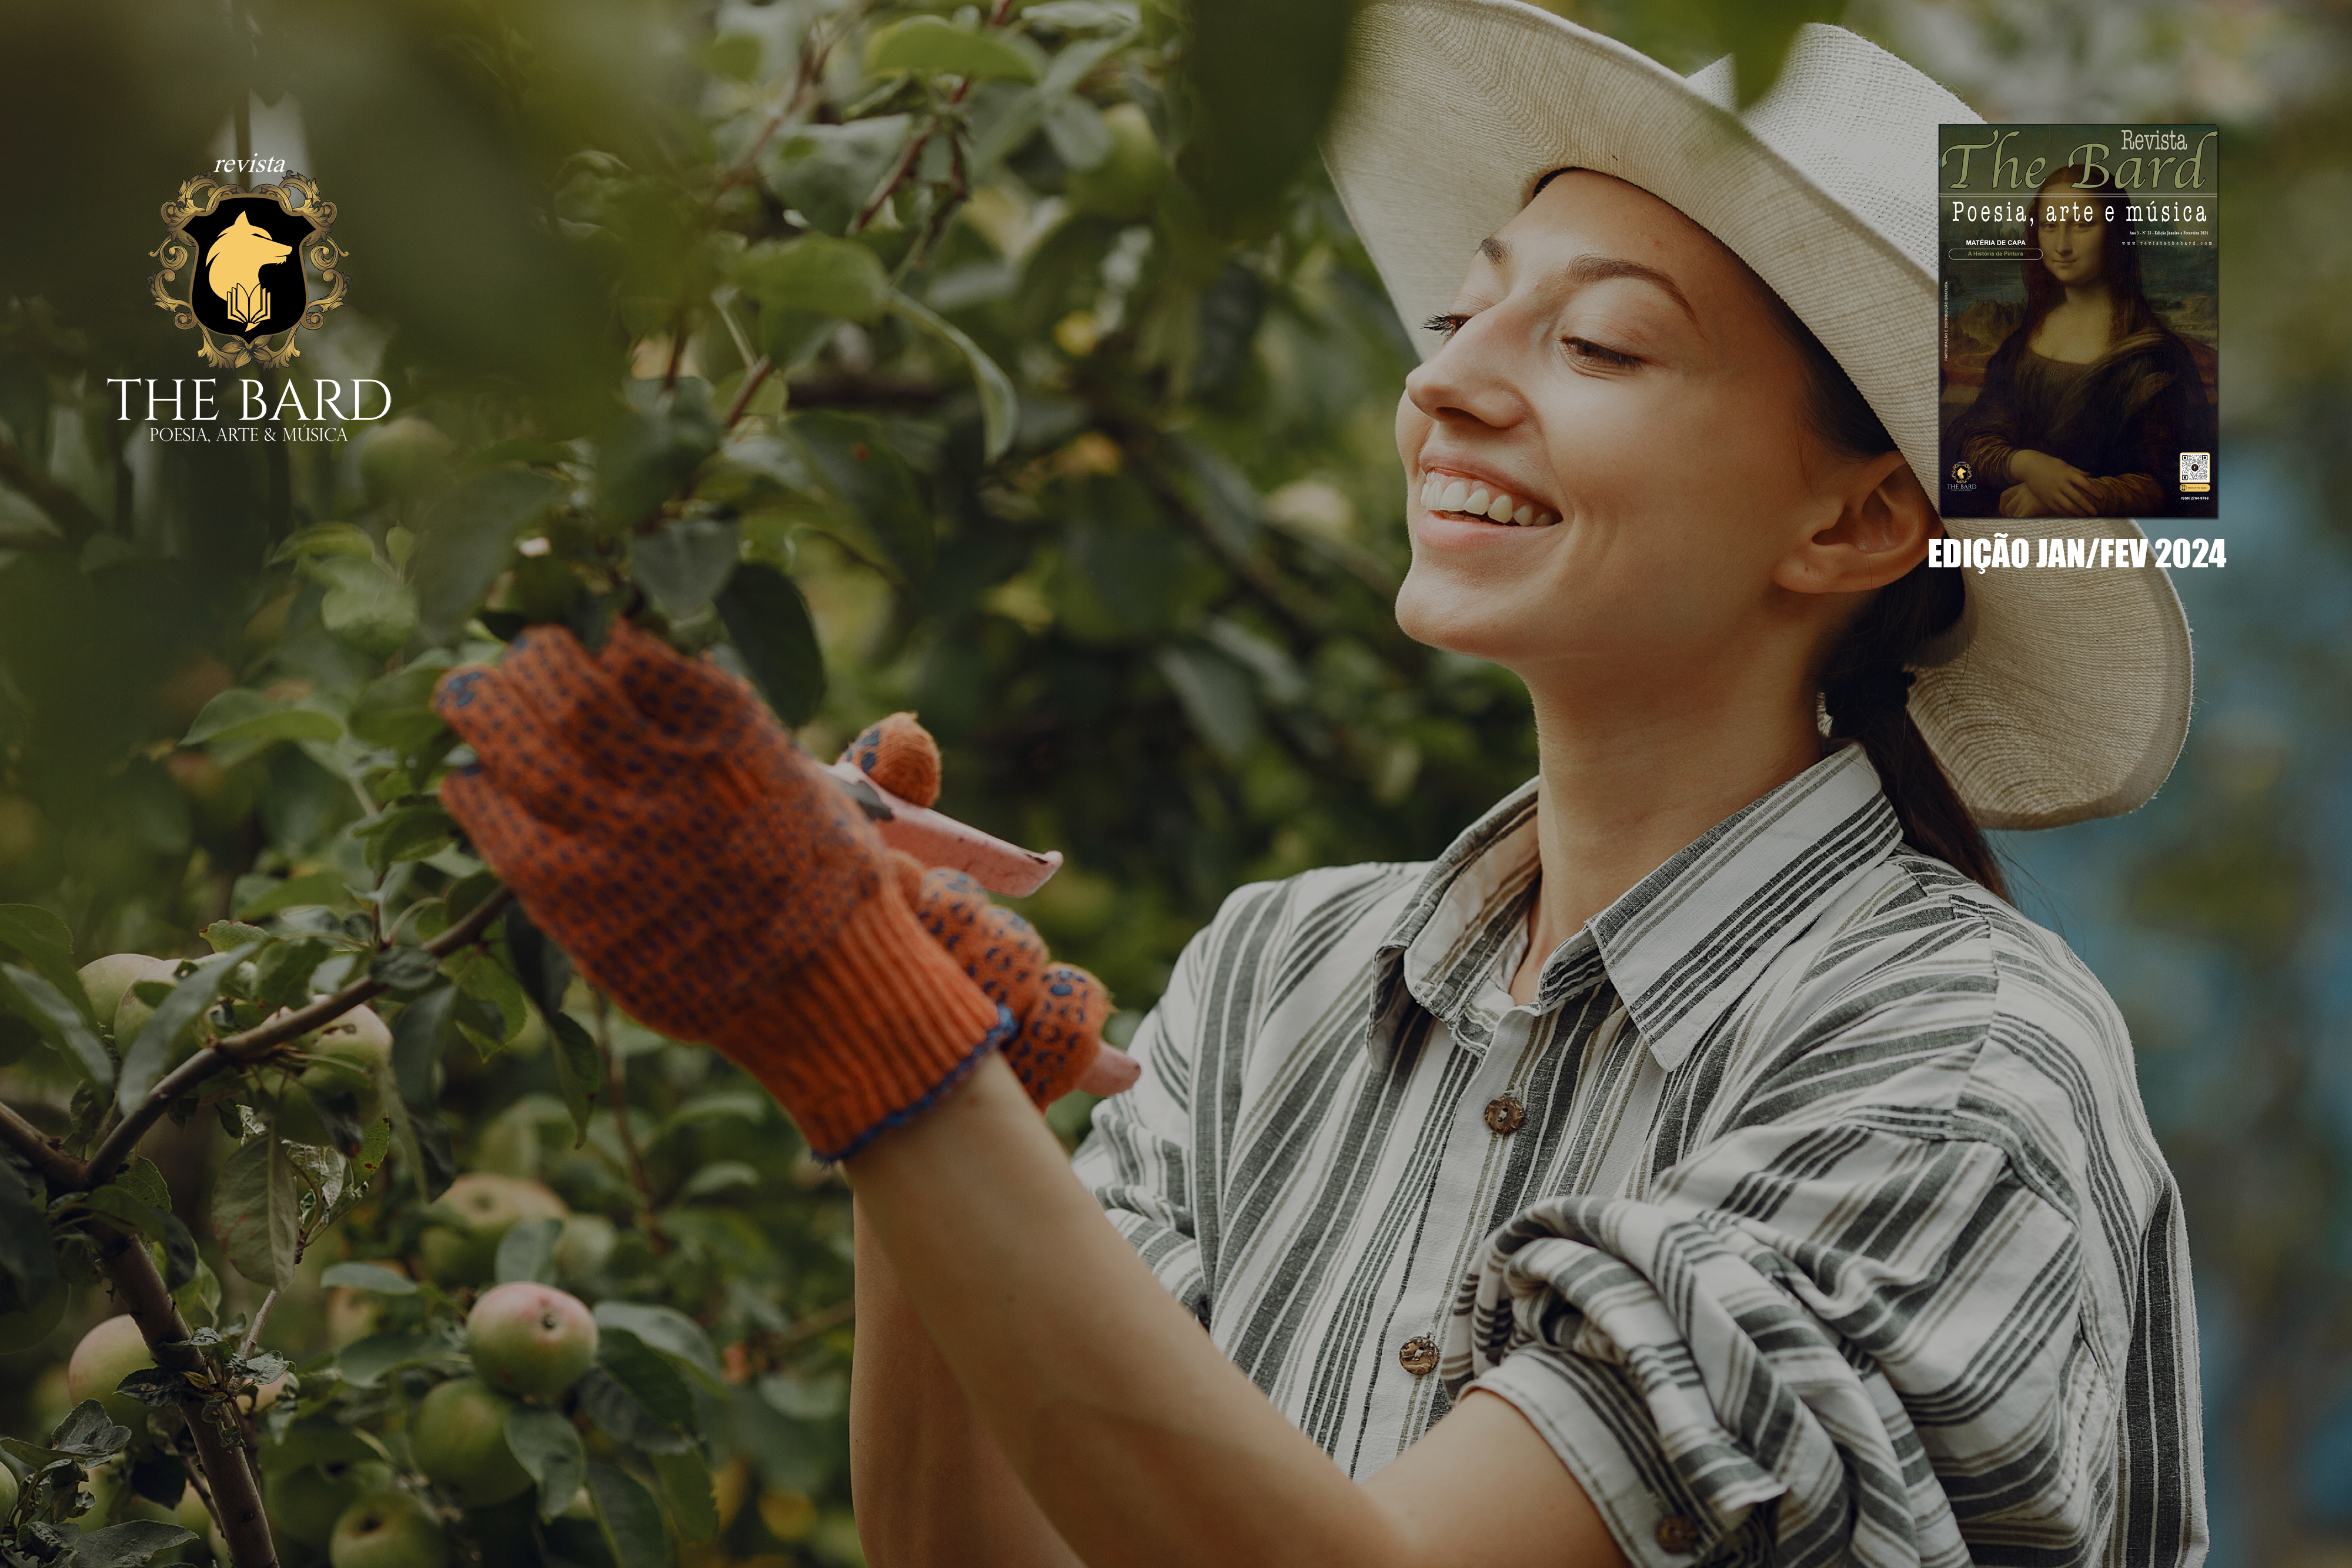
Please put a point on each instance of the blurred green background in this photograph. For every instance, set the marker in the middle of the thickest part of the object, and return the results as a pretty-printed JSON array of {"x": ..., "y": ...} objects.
[{"x": 1151, "y": 631}]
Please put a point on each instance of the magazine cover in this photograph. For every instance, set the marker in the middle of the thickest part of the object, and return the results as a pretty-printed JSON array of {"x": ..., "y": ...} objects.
[{"x": 2080, "y": 287}]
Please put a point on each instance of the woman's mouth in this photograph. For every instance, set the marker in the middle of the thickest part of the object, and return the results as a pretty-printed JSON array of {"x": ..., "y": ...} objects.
[{"x": 1474, "y": 499}]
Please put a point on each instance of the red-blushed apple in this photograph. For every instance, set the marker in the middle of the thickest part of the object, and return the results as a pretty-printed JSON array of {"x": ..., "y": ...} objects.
[
  {"x": 458, "y": 1436},
  {"x": 531, "y": 1340}
]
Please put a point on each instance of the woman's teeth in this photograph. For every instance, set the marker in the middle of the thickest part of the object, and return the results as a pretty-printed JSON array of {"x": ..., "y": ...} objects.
[{"x": 1443, "y": 493}]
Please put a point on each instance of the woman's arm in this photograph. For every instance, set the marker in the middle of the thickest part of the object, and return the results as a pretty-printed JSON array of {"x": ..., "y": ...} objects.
[
  {"x": 929, "y": 1483},
  {"x": 1138, "y": 1440}
]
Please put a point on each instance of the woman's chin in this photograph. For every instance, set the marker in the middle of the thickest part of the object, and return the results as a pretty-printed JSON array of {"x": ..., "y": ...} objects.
[{"x": 1438, "y": 609}]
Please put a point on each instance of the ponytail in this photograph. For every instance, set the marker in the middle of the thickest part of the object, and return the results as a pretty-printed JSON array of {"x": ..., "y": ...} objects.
[{"x": 1865, "y": 688}]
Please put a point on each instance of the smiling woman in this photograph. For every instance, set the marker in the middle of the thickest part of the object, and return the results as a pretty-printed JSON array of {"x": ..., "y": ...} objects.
[{"x": 1699, "y": 1161}]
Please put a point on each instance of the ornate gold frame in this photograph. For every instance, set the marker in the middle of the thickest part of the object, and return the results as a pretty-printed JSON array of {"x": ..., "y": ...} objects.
[{"x": 298, "y": 195}]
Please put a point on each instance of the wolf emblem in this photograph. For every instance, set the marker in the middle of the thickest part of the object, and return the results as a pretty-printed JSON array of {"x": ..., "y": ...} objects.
[{"x": 234, "y": 270}]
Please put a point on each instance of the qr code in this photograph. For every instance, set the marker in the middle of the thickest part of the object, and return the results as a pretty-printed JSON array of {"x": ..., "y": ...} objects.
[{"x": 2196, "y": 467}]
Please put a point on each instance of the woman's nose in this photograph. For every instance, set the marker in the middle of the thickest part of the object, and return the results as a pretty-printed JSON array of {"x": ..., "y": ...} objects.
[{"x": 1469, "y": 377}]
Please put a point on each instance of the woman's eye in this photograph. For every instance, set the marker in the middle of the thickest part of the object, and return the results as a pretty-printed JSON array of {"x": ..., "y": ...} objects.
[
  {"x": 1445, "y": 324},
  {"x": 1585, "y": 349}
]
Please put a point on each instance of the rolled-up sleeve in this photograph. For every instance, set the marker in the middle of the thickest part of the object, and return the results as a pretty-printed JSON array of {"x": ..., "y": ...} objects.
[
  {"x": 1815, "y": 1344},
  {"x": 1136, "y": 1161}
]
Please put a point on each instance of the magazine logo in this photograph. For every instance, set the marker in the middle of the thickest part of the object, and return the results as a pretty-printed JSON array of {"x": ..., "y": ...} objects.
[
  {"x": 1964, "y": 476},
  {"x": 247, "y": 268}
]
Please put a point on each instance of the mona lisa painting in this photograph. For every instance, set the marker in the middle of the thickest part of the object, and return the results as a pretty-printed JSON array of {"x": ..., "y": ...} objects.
[{"x": 2080, "y": 324}]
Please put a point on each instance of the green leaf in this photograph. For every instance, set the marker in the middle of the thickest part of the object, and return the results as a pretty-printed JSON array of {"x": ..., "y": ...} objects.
[
  {"x": 683, "y": 563},
  {"x": 667, "y": 1329},
  {"x": 934, "y": 44},
  {"x": 768, "y": 621},
  {"x": 827, "y": 173},
  {"x": 817, "y": 275},
  {"x": 653, "y": 452},
  {"x": 719, "y": 1176},
  {"x": 418, "y": 1037},
  {"x": 623, "y": 1417},
  {"x": 1261, "y": 79},
  {"x": 89, "y": 1432},
  {"x": 411, "y": 832},
  {"x": 240, "y": 714},
  {"x": 466, "y": 540},
  {"x": 373, "y": 1277},
  {"x": 527, "y": 1251},
  {"x": 294, "y": 893},
  {"x": 647, "y": 1374},
  {"x": 579, "y": 1070},
  {"x": 199, "y": 1300},
  {"x": 366, "y": 608},
  {"x": 58, "y": 1020},
  {"x": 397, "y": 711},
  {"x": 324, "y": 539},
  {"x": 256, "y": 1210},
  {"x": 872, "y": 484},
  {"x": 146, "y": 1059},
  {"x": 364, "y": 1362},
  {"x": 46, "y": 942},
  {"x": 547, "y": 1446},
  {"x": 129, "y": 1545},
  {"x": 28, "y": 1251},
  {"x": 223, "y": 935},
  {"x": 1000, "y": 405},
  {"x": 629, "y": 1518},
  {"x": 686, "y": 1487},
  {"x": 479, "y": 974}
]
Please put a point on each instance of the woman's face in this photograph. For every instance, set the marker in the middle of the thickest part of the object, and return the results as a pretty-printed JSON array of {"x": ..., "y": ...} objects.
[
  {"x": 1617, "y": 374},
  {"x": 2071, "y": 234}
]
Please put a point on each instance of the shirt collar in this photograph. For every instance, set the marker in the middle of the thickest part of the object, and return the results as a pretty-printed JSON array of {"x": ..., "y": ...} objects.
[{"x": 1681, "y": 945}]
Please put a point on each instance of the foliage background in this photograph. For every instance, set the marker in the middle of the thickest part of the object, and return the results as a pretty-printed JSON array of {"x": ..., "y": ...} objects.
[{"x": 1153, "y": 632}]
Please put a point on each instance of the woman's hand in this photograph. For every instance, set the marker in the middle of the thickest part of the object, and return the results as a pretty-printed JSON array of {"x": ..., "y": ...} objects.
[
  {"x": 721, "y": 886},
  {"x": 2062, "y": 489}
]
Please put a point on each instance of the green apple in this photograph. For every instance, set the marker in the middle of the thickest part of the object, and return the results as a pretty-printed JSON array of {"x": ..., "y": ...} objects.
[
  {"x": 586, "y": 1246},
  {"x": 529, "y": 1339},
  {"x": 106, "y": 1355},
  {"x": 458, "y": 1436},
  {"x": 304, "y": 1504},
  {"x": 488, "y": 1206},
  {"x": 23, "y": 1329},
  {"x": 349, "y": 1056},
  {"x": 406, "y": 456},
  {"x": 1121, "y": 187},
  {"x": 7, "y": 1490},
  {"x": 131, "y": 1014},
  {"x": 389, "y": 1528},
  {"x": 106, "y": 981}
]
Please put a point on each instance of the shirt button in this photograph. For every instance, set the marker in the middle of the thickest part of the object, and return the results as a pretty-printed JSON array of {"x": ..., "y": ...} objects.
[
  {"x": 1418, "y": 1355},
  {"x": 1505, "y": 1115},
  {"x": 1677, "y": 1534}
]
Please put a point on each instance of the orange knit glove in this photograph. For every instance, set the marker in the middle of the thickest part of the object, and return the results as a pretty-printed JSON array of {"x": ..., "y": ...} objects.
[
  {"x": 1059, "y": 1007},
  {"x": 718, "y": 883}
]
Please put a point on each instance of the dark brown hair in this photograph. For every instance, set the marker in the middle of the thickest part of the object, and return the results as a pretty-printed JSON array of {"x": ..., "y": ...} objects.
[
  {"x": 1865, "y": 687},
  {"x": 2128, "y": 309}
]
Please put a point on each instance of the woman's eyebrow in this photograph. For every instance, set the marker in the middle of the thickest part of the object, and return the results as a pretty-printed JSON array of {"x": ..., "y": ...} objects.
[{"x": 1592, "y": 268}]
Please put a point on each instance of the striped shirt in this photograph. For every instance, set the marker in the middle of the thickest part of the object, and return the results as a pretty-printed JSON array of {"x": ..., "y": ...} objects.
[{"x": 1829, "y": 1227}]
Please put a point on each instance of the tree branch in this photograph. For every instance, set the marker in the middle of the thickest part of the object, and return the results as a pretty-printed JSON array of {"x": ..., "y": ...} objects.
[
  {"x": 260, "y": 1041},
  {"x": 47, "y": 1157},
  {"x": 236, "y": 1496}
]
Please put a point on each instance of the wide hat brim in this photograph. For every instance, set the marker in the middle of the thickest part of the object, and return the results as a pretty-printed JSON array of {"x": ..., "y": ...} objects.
[{"x": 2063, "y": 694}]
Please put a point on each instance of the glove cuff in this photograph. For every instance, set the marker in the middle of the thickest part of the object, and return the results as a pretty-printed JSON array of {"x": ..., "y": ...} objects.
[{"x": 886, "y": 1023}]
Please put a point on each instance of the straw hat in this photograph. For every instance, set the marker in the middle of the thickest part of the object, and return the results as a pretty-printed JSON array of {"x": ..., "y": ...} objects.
[{"x": 2063, "y": 694}]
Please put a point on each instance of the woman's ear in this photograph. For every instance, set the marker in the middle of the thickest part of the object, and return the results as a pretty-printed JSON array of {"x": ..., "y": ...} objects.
[{"x": 1881, "y": 528}]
